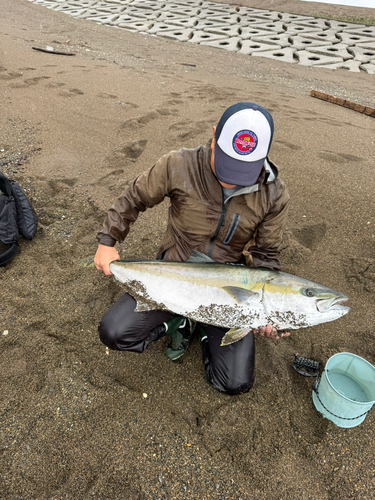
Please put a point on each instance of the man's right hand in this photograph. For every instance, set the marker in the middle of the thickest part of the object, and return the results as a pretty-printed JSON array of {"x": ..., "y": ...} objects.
[{"x": 103, "y": 257}]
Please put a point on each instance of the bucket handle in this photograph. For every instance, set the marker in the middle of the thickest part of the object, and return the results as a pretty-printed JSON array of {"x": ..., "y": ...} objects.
[{"x": 315, "y": 389}]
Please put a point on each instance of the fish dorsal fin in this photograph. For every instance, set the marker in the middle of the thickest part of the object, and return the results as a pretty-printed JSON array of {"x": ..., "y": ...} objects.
[
  {"x": 234, "y": 335},
  {"x": 199, "y": 257},
  {"x": 239, "y": 294}
]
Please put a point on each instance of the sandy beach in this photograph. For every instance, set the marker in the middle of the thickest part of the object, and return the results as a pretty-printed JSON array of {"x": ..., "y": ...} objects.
[{"x": 79, "y": 422}]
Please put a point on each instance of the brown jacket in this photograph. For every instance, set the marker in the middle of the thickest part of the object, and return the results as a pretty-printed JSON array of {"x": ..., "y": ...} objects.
[{"x": 247, "y": 228}]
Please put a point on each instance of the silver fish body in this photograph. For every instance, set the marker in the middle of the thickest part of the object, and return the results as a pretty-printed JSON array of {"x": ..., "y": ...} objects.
[{"x": 229, "y": 296}]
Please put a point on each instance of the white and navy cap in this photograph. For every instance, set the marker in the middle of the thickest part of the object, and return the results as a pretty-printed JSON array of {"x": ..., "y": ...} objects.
[{"x": 243, "y": 139}]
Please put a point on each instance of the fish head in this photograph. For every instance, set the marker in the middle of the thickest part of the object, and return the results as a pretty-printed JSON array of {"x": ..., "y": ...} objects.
[{"x": 294, "y": 302}]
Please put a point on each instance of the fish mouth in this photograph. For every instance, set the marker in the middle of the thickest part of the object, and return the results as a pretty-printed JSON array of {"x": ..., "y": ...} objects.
[{"x": 323, "y": 305}]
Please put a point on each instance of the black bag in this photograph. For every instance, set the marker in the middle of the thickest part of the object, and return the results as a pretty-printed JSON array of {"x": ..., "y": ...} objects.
[{"x": 16, "y": 216}]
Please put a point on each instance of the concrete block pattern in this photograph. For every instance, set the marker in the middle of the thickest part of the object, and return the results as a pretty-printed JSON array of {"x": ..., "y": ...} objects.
[
  {"x": 61, "y": 7},
  {"x": 276, "y": 39},
  {"x": 110, "y": 9},
  {"x": 353, "y": 66},
  {"x": 203, "y": 36},
  {"x": 187, "y": 3},
  {"x": 146, "y": 14},
  {"x": 365, "y": 31},
  {"x": 249, "y": 47},
  {"x": 250, "y": 22},
  {"x": 291, "y": 18},
  {"x": 267, "y": 15},
  {"x": 170, "y": 16},
  {"x": 297, "y": 29},
  {"x": 181, "y": 35},
  {"x": 148, "y": 5},
  {"x": 252, "y": 32},
  {"x": 204, "y": 13},
  {"x": 323, "y": 36},
  {"x": 140, "y": 25},
  {"x": 104, "y": 19},
  {"x": 337, "y": 50},
  {"x": 285, "y": 55},
  {"x": 307, "y": 58},
  {"x": 366, "y": 45},
  {"x": 353, "y": 39},
  {"x": 231, "y": 9},
  {"x": 277, "y": 35},
  {"x": 182, "y": 22},
  {"x": 226, "y": 18},
  {"x": 229, "y": 31},
  {"x": 160, "y": 28},
  {"x": 49, "y": 5},
  {"x": 250, "y": 10},
  {"x": 207, "y": 23},
  {"x": 87, "y": 4},
  {"x": 185, "y": 10},
  {"x": 342, "y": 26},
  {"x": 90, "y": 13},
  {"x": 277, "y": 27},
  {"x": 300, "y": 43},
  {"x": 363, "y": 55},
  {"x": 313, "y": 23},
  {"x": 369, "y": 68},
  {"x": 231, "y": 44}
]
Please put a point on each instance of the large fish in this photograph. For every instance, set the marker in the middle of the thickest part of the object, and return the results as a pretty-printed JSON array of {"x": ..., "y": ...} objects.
[{"x": 229, "y": 296}]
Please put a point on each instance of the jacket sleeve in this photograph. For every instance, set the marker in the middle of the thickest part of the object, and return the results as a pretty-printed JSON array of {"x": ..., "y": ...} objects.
[
  {"x": 268, "y": 239},
  {"x": 145, "y": 191}
]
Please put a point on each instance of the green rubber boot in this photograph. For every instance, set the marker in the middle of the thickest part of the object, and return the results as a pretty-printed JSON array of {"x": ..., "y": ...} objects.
[{"x": 181, "y": 332}]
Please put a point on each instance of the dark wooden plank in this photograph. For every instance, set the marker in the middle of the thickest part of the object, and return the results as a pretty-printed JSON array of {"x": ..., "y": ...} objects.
[{"x": 343, "y": 102}]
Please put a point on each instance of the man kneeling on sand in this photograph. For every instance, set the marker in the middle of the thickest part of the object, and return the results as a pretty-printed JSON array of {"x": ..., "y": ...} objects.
[{"x": 226, "y": 201}]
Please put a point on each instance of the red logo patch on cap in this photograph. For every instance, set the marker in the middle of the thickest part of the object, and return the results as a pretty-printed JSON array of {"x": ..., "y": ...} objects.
[{"x": 244, "y": 142}]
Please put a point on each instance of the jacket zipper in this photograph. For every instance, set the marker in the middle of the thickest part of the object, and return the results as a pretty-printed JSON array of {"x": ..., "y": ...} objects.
[
  {"x": 232, "y": 228},
  {"x": 219, "y": 226}
]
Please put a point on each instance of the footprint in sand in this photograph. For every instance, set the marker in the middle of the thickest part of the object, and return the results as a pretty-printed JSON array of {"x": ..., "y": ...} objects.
[
  {"x": 9, "y": 75},
  {"x": 70, "y": 93},
  {"x": 36, "y": 80},
  {"x": 113, "y": 174},
  {"x": 338, "y": 157},
  {"x": 299, "y": 244},
  {"x": 134, "y": 123},
  {"x": 135, "y": 149},
  {"x": 55, "y": 84},
  {"x": 166, "y": 111},
  {"x": 310, "y": 236},
  {"x": 28, "y": 82},
  {"x": 105, "y": 95},
  {"x": 186, "y": 130},
  {"x": 289, "y": 145},
  {"x": 361, "y": 272}
]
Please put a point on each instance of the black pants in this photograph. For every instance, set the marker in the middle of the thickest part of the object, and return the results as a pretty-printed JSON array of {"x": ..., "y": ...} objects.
[{"x": 228, "y": 369}]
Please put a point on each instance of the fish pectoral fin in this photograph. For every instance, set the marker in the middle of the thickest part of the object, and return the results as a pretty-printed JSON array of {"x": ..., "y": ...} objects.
[
  {"x": 234, "y": 335},
  {"x": 199, "y": 257},
  {"x": 239, "y": 294}
]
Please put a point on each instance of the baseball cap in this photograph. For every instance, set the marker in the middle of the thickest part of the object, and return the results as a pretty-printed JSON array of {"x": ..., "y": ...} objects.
[{"x": 243, "y": 139}]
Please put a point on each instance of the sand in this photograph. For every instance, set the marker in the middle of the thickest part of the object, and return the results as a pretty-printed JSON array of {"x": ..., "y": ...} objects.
[{"x": 80, "y": 422}]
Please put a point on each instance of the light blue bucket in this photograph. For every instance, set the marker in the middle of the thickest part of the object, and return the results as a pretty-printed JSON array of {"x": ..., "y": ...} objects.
[{"x": 345, "y": 392}]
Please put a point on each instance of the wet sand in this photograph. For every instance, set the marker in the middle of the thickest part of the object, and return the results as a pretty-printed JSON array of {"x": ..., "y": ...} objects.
[{"x": 75, "y": 419}]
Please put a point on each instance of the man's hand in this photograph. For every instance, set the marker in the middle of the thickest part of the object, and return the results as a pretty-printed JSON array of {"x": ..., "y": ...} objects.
[
  {"x": 103, "y": 257},
  {"x": 270, "y": 332}
]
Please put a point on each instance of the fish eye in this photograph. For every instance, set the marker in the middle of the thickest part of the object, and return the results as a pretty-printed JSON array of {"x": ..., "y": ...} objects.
[{"x": 309, "y": 292}]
